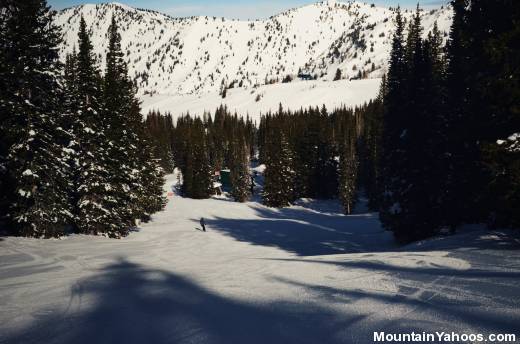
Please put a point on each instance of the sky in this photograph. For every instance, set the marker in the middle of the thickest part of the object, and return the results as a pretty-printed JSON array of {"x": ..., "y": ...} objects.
[{"x": 241, "y": 9}]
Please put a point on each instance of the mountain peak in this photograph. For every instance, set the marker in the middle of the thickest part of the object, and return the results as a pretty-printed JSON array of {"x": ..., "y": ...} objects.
[{"x": 205, "y": 54}]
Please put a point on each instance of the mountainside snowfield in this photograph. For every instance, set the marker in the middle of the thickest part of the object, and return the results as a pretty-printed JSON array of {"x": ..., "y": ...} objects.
[
  {"x": 267, "y": 98},
  {"x": 197, "y": 55},
  {"x": 305, "y": 274}
]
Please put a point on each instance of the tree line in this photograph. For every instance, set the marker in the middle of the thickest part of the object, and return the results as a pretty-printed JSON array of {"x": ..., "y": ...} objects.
[
  {"x": 444, "y": 147},
  {"x": 310, "y": 153},
  {"x": 74, "y": 155},
  {"x": 438, "y": 148},
  {"x": 201, "y": 146}
]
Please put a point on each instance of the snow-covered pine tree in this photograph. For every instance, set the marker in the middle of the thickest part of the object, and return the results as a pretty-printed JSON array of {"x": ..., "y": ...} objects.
[
  {"x": 279, "y": 175},
  {"x": 96, "y": 206},
  {"x": 135, "y": 173},
  {"x": 123, "y": 142},
  {"x": 151, "y": 196},
  {"x": 147, "y": 170},
  {"x": 240, "y": 175},
  {"x": 35, "y": 167}
]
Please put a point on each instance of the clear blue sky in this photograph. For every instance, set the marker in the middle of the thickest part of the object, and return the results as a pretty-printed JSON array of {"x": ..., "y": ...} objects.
[{"x": 243, "y": 9}]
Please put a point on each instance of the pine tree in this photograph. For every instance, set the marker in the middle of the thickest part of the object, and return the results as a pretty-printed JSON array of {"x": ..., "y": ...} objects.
[
  {"x": 326, "y": 173},
  {"x": 306, "y": 153},
  {"x": 279, "y": 176},
  {"x": 6, "y": 15},
  {"x": 123, "y": 143},
  {"x": 70, "y": 76},
  {"x": 197, "y": 169},
  {"x": 460, "y": 150},
  {"x": 95, "y": 201},
  {"x": 240, "y": 176},
  {"x": 149, "y": 190},
  {"x": 495, "y": 98},
  {"x": 136, "y": 175},
  {"x": 33, "y": 160},
  {"x": 372, "y": 136},
  {"x": 159, "y": 128},
  {"x": 413, "y": 39},
  {"x": 392, "y": 159},
  {"x": 348, "y": 170}
]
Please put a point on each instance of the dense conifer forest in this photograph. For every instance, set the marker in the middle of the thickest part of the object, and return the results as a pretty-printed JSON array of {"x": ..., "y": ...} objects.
[
  {"x": 75, "y": 156},
  {"x": 339, "y": 211},
  {"x": 438, "y": 148}
]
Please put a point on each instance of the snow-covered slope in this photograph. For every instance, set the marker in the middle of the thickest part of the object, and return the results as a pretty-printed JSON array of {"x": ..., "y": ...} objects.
[
  {"x": 305, "y": 274},
  {"x": 197, "y": 55},
  {"x": 254, "y": 102}
]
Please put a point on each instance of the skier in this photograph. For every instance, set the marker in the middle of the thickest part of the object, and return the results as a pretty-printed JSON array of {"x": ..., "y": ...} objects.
[{"x": 203, "y": 224}]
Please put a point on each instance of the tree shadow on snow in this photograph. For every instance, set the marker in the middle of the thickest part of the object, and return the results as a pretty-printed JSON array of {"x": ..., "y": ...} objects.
[
  {"x": 308, "y": 232},
  {"x": 133, "y": 304},
  {"x": 423, "y": 302}
]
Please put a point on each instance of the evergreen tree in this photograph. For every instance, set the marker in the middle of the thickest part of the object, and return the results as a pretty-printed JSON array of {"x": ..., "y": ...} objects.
[
  {"x": 33, "y": 150},
  {"x": 135, "y": 171},
  {"x": 326, "y": 173},
  {"x": 6, "y": 15},
  {"x": 94, "y": 191},
  {"x": 494, "y": 53},
  {"x": 372, "y": 136},
  {"x": 306, "y": 153},
  {"x": 279, "y": 176},
  {"x": 123, "y": 143},
  {"x": 414, "y": 136},
  {"x": 159, "y": 128},
  {"x": 70, "y": 76},
  {"x": 461, "y": 151},
  {"x": 197, "y": 169},
  {"x": 393, "y": 161},
  {"x": 150, "y": 182},
  {"x": 348, "y": 173},
  {"x": 240, "y": 176}
]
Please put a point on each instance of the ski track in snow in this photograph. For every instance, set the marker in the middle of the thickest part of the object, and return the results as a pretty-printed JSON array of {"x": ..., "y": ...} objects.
[{"x": 306, "y": 274}]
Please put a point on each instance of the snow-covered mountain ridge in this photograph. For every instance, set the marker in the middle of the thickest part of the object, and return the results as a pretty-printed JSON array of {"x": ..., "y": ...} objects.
[{"x": 197, "y": 55}]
